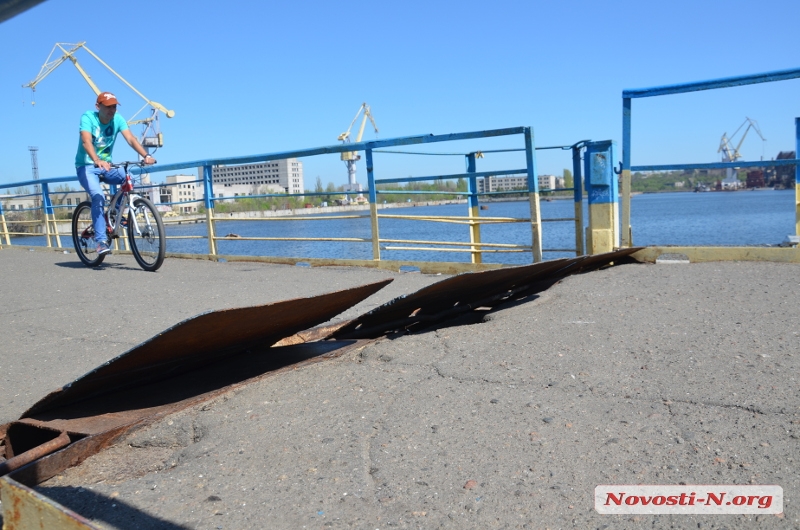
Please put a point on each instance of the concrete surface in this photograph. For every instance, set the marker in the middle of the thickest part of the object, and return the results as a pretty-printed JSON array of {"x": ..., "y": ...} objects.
[{"x": 637, "y": 374}]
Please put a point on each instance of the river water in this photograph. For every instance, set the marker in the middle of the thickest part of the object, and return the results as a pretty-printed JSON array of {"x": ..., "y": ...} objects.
[{"x": 752, "y": 218}]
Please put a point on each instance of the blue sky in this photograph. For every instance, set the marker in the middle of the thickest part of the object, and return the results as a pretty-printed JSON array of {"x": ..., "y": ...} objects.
[{"x": 247, "y": 78}]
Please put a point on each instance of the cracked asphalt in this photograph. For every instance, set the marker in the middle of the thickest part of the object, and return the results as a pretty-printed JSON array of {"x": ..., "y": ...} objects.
[{"x": 636, "y": 374}]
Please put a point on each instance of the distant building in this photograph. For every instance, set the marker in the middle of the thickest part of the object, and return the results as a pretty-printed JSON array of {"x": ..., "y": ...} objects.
[
  {"x": 181, "y": 189},
  {"x": 492, "y": 183},
  {"x": 547, "y": 182},
  {"x": 518, "y": 183},
  {"x": 286, "y": 174}
]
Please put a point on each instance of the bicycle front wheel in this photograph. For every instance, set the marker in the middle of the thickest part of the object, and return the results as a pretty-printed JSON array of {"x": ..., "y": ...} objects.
[
  {"x": 146, "y": 234},
  {"x": 83, "y": 235}
]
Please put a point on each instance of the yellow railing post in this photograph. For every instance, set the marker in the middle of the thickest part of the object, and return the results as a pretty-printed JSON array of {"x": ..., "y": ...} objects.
[
  {"x": 5, "y": 228},
  {"x": 533, "y": 195},
  {"x": 577, "y": 185},
  {"x": 209, "y": 203},
  {"x": 373, "y": 207},
  {"x": 474, "y": 211}
]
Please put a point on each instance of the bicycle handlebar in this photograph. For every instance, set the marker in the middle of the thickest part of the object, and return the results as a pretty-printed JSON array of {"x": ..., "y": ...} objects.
[{"x": 139, "y": 163}]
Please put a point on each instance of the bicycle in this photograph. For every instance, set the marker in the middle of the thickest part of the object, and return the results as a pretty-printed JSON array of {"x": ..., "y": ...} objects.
[{"x": 143, "y": 224}]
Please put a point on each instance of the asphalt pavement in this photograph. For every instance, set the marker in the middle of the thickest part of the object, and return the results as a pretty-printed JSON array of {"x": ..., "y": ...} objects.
[{"x": 635, "y": 374}]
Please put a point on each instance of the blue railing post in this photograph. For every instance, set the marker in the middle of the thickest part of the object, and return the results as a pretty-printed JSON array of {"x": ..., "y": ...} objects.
[
  {"x": 373, "y": 207},
  {"x": 577, "y": 184},
  {"x": 603, "y": 191},
  {"x": 533, "y": 195},
  {"x": 474, "y": 210},
  {"x": 208, "y": 192},
  {"x": 627, "y": 231}
]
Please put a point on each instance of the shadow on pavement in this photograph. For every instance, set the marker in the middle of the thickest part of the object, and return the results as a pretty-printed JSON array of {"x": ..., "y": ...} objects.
[{"x": 105, "y": 510}]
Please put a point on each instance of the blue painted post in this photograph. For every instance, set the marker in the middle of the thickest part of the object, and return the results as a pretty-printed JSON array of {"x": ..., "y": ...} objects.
[
  {"x": 627, "y": 232},
  {"x": 474, "y": 210},
  {"x": 603, "y": 191},
  {"x": 373, "y": 207},
  {"x": 577, "y": 184},
  {"x": 533, "y": 195},
  {"x": 797, "y": 177},
  {"x": 208, "y": 196}
]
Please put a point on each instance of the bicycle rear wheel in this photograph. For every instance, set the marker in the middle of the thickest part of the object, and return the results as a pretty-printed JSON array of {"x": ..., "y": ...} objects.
[
  {"x": 83, "y": 235},
  {"x": 146, "y": 234}
]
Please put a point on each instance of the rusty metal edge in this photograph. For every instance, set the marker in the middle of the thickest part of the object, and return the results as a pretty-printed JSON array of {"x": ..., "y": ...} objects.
[
  {"x": 25, "y": 508},
  {"x": 89, "y": 384},
  {"x": 48, "y": 466}
]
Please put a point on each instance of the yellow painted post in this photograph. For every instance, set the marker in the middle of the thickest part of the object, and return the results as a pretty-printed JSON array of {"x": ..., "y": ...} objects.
[
  {"x": 373, "y": 220},
  {"x": 602, "y": 234},
  {"x": 797, "y": 177},
  {"x": 46, "y": 221},
  {"x": 474, "y": 211},
  {"x": 5, "y": 228},
  {"x": 626, "y": 230},
  {"x": 533, "y": 195},
  {"x": 55, "y": 230},
  {"x": 212, "y": 243},
  {"x": 577, "y": 194},
  {"x": 208, "y": 195},
  {"x": 536, "y": 226},
  {"x": 626, "y": 210},
  {"x": 373, "y": 207}
]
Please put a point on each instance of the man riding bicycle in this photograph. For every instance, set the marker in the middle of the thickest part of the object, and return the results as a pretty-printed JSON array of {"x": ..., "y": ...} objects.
[{"x": 98, "y": 131}]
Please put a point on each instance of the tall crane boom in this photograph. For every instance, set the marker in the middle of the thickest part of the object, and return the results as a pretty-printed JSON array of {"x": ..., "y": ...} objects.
[
  {"x": 732, "y": 154},
  {"x": 151, "y": 125},
  {"x": 351, "y": 157}
]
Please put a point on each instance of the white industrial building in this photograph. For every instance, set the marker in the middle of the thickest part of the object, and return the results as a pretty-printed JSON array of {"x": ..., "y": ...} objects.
[
  {"x": 517, "y": 183},
  {"x": 286, "y": 174}
]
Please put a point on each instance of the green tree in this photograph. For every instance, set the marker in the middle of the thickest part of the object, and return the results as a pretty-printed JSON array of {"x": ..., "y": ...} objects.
[
  {"x": 318, "y": 185},
  {"x": 568, "y": 181}
]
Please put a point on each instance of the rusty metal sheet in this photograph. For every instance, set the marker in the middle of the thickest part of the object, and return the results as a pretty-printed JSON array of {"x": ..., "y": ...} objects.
[
  {"x": 26, "y": 509},
  {"x": 94, "y": 424},
  {"x": 207, "y": 338},
  {"x": 465, "y": 292}
]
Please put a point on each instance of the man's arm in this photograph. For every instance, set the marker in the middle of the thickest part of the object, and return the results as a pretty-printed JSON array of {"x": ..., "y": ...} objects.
[
  {"x": 136, "y": 146},
  {"x": 86, "y": 140}
]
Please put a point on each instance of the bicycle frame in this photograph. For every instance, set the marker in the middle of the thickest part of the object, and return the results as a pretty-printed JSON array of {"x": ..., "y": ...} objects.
[{"x": 123, "y": 199}]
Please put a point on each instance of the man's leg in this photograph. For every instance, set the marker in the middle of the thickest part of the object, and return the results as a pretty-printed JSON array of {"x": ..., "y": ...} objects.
[{"x": 89, "y": 177}]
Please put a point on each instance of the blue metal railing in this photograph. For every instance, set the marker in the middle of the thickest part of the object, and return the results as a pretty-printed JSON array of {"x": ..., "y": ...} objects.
[
  {"x": 712, "y": 84},
  {"x": 476, "y": 247}
]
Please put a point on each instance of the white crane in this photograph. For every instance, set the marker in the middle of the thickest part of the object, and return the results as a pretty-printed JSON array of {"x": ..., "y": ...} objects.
[
  {"x": 151, "y": 134},
  {"x": 351, "y": 157},
  {"x": 732, "y": 154}
]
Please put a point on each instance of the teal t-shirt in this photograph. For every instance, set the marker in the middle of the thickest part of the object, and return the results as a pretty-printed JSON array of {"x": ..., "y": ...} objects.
[{"x": 103, "y": 136}]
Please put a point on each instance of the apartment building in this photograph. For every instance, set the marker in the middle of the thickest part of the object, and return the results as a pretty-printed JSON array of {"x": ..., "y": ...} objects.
[
  {"x": 183, "y": 190},
  {"x": 517, "y": 183},
  {"x": 286, "y": 174}
]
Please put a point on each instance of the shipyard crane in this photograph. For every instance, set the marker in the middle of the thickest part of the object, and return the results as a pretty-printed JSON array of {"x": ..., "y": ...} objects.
[
  {"x": 151, "y": 134},
  {"x": 351, "y": 157},
  {"x": 732, "y": 154}
]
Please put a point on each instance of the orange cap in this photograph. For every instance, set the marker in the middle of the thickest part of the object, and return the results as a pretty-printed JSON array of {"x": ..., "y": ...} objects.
[{"x": 107, "y": 99}]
